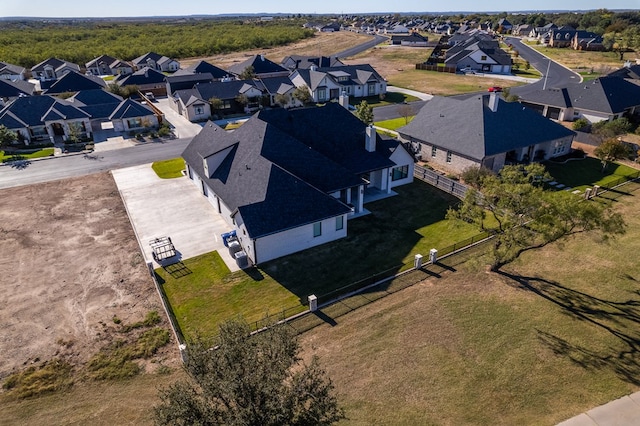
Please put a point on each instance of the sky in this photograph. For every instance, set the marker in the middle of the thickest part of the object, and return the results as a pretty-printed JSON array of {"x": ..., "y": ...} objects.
[{"x": 125, "y": 8}]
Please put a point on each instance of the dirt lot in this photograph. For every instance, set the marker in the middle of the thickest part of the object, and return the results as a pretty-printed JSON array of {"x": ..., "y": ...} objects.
[{"x": 69, "y": 262}]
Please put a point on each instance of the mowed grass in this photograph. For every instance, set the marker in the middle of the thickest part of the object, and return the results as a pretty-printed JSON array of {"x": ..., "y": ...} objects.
[
  {"x": 544, "y": 341},
  {"x": 202, "y": 292},
  {"x": 27, "y": 155},
  {"x": 169, "y": 169},
  {"x": 394, "y": 123},
  {"x": 581, "y": 174}
]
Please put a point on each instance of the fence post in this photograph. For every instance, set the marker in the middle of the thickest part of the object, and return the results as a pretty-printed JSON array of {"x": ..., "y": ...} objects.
[
  {"x": 594, "y": 193},
  {"x": 313, "y": 303},
  {"x": 433, "y": 255},
  {"x": 417, "y": 261}
]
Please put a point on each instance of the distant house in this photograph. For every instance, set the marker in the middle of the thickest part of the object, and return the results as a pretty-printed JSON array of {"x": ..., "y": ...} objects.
[
  {"x": 412, "y": 40},
  {"x": 73, "y": 82},
  {"x": 10, "y": 90},
  {"x": 605, "y": 98},
  {"x": 186, "y": 81},
  {"x": 504, "y": 26},
  {"x": 478, "y": 54},
  {"x": 561, "y": 37},
  {"x": 397, "y": 29},
  {"x": 107, "y": 65},
  {"x": 522, "y": 30},
  {"x": 629, "y": 72},
  {"x": 195, "y": 105},
  {"x": 585, "y": 40},
  {"x": 146, "y": 79},
  {"x": 11, "y": 72},
  {"x": 326, "y": 84},
  {"x": 295, "y": 62},
  {"x": 262, "y": 67},
  {"x": 483, "y": 130},
  {"x": 287, "y": 180},
  {"x": 543, "y": 33},
  {"x": 156, "y": 62},
  {"x": 44, "y": 118},
  {"x": 274, "y": 86},
  {"x": 203, "y": 67},
  {"x": 52, "y": 69},
  {"x": 133, "y": 116}
]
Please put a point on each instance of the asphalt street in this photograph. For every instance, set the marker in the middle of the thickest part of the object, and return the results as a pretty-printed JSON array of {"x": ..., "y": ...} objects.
[{"x": 377, "y": 39}]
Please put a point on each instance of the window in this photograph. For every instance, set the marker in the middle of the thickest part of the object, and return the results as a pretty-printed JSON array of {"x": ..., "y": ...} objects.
[
  {"x": 448, "y": 156},
  {"x": 339, "y": 223},
  {"x": 199, "y": 109},
  {"x": 322, "y": 94},
  {"x": 317, "y": 229},
  {"x": 226, "y": 104},
  {"x": 400, "y": 172},
  {"x": 483, "y": 57},
  {"x": 434, "y": 151},
  {"x": 134, "y": 122}
]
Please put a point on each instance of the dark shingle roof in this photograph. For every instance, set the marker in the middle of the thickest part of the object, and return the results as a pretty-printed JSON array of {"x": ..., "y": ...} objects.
[
  {"x": 186, "y": 81},
  {"x": 98, "y": 103},
  {"x": 203, "y": 67},
  {"x": 11, "y": 89},
  {"x": 6, "y": 68},
  {"x": 34, "y": 110},
  {"x": 610, "y": 95},
  {"x": 74, "y": 82},
  {"x": 260, "y": 64},
  {"x": 144, "y": 76},
  {"x": 129, "y": 108},
  {"x": 275, "y": 85},
  {"x": 55, "y": 63},
  {"x": 469, "y": 128},
  {"x": 106, "y": 59},
  {"x": 221, "y": 89}
]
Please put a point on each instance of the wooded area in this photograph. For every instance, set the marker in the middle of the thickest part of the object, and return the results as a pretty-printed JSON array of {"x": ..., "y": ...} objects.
[{"x": 28, "y": 43}]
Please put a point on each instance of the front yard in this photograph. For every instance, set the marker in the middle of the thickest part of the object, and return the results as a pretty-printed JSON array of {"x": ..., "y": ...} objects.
[
  {"x": 202, "y": 291},
  {"x": 25, "y": 154},
  {"x": 585, "y": 173}
]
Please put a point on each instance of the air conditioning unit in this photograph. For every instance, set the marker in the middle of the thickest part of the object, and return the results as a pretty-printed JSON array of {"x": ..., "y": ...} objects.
[
  {"x": 242, "y": 260},
  {"x": 234, "y": 247}
]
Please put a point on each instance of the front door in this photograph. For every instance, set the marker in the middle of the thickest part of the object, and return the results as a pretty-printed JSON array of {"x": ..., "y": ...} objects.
[{"x": 57, "y": 128}]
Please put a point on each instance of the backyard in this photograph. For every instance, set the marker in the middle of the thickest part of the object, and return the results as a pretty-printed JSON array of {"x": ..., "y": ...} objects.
[
  {"x": 379, "y": 244},
  {"x": 585, "y": 173}
]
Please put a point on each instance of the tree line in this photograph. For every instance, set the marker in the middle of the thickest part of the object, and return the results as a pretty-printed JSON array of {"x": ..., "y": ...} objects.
[{"x": 28, "y": 43}]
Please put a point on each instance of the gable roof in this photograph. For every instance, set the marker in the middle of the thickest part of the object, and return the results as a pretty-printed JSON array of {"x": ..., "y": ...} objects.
[
  {"x": 628, "y": 71},
  {"x": 203, "y": 67},
  {"x": 305, "y": 62},
  {"x": 98, "y": 103},
  {"x": 143, "y": 76},
  {"x": 357, "y": 74},
  {"x": 186, "y": 81},
  {"x": 102, "y": 59},
  {"x": 480, "y": 132},
  {"x": 218, "y": 89},
  {"x": 260, "y": 64},
  {"x": 611, "y": 95},
  {"x": 74, "y": 81},
  {"x": 55, "y": 63},
  {"x": 12, "y": 89},
  {"x": 280, "y": 167},
  {"x": 156, "y": 57},
  {"x": 6, "y": 68},
  {"x": 275, "y": 85},
  {"x": 30, "y": 111},
  {"x": 129, "y": 108}
]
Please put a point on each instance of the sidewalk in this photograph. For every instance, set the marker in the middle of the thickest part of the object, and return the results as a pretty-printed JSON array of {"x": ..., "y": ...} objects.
[
  {"x": 624, "y": 411},
  {"x": 419, "y": 95},
  {"x": 182, "y": 127}
]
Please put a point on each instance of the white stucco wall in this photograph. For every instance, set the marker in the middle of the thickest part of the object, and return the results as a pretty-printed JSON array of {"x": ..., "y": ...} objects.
[{"x": 401, "y": 157}]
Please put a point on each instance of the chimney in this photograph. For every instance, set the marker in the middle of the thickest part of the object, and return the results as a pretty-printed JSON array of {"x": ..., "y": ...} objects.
[
  {"x": 493, "y": 101},
  {"x": 343, "y": 100},
  {"x": 262, "y": 58},
  {"x": 370, "y": 139}
]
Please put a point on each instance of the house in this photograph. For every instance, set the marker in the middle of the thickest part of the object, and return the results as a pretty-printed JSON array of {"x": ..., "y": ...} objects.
[
  {"x": 522, "y": 30},
  {"x": 629, "y": 72},
  {"x": 605, "y": 98},
  {"x": 11, "y": 72},
  {"x": 133, "y": 116},
  {"x": 73, "y": 82},
  {"x": 107, "y": 65},
  {"x": 412, "y": 40},
  {"x": 397, "y": 29},
  {"x": 156, "y": 62},
  {"x": 585, "y": 40},
  {"x": 274, "y": 86},
  {"x": 98, "y": 103},
  {"x": 287, "y": 180},
  {"x": 146, "y": 79},
  {"x": 203, "y": 67},
  {"x": 478, "y": 54},
  {"x": 186, "y": 81},
  {"x": 327, "y": 84},
  {"x": 295, "y": 62},
  {"x": 52, "y": 69},
  {"x": 10, "y": 90},
  {"x": 262, "y": 67},
  {"x": 483, "y": 130},
  {"x": 504, "y": 26},
  {"x": 44, "y": 118},
  {"x": 561, "y": 37},
  {"x": 195, "y": 103},
  {"x": 543, "y": 33}
]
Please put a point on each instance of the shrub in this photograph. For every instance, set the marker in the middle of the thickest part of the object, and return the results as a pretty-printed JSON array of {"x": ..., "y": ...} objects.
[
  {"x": 581, "y": 124},
  {"x": 36, "y": 380}
]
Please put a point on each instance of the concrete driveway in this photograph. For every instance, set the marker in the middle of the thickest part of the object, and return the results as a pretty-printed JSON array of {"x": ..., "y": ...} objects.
[{"x": 174, "y": 208}]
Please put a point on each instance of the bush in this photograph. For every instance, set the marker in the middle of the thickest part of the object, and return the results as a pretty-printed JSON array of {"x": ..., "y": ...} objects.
[
  {"x": 609, "y": 129},
  {"x": 581, "y": 124},
  {"x": 164, "y": 131}
]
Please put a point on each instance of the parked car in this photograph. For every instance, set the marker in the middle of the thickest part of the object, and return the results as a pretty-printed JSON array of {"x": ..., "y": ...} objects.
[{"x": 495, "y": 89}]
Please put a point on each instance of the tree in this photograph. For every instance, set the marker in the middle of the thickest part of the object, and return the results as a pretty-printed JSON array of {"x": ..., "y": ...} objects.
[
  {"x": 7, "y": 137},
  {"x": 473, "y": 176},
  {"x": 302, "y": 94},
  {"x": 527, "y": 216},
  {"x": 406, "y": 111},
  {"x": 282, "y": 99},
  {"x": 248, "y": 73},
  {"x": 242, "y": 99},
  {"x": 216, "y": 104},
  {"x": 611, "y": 150},
  {"x": 508, "y": 96},
  {"x": 364, "y": 112},
  {"x": 249, "y": 380}
]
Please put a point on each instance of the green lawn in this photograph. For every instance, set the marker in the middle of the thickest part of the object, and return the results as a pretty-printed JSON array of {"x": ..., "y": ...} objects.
[
  {"x": 390, "y": 98},
  {"x": 204, "y": 292},
  {"x": 10, "y": 156},
  {"x": 395, "y": 123},
  {"x": 169, "y": 169},
  {"x": 581, "y": 174}
]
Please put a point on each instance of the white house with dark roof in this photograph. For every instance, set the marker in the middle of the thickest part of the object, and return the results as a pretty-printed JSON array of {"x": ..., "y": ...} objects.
[
  {"x": 11, "y": 72},
  {"x": 286, "y": 181},
  {"x": 604, "y": 98},
  {"x": 132, "y": 116},
  {"x": 108, "y": 65},
  {"x": 483, "y": 130},
  {"x": 326, "y": 84},
  {"x": 52, "y": 69},
  {"x": 262, "y": 67},
  {"x": 157, "y": 62},
  {"x": 478, "y": 53}
]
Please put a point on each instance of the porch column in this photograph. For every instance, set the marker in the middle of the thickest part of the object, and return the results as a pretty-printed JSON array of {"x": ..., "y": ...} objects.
[
  {"x": 348, "y": 197},
  {"x": 360, "y": 198},
  {"x": 387, "y": 180}
]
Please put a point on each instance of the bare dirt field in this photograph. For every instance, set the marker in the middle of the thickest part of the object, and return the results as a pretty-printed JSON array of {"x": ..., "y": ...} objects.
[{"x": 70, "y": 263}]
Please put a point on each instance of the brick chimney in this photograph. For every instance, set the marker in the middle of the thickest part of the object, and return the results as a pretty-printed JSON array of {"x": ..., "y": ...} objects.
[
  {"x": 493, "y": 101},
  {"x": 343, "y": 100},
  {"x": 370, "y": 139}
]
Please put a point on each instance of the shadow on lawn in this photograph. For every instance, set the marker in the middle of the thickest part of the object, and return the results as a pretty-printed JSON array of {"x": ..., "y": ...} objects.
[{"x": 620, "y": 319}]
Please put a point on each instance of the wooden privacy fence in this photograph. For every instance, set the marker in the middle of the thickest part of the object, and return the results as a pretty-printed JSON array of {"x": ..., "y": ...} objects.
[
  {"x": 426, "y": 67},
  {"x": 441, "y": 182}
]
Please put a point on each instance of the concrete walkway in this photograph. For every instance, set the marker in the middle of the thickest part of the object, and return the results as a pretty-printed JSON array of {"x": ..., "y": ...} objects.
[
  {"x": 182, "y": 127},
  {"x": 621, "y": 412},
  {"x": 419, "y": 95}
]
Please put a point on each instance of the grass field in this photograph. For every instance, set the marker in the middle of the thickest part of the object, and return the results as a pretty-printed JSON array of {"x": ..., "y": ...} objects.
[
  {"x": 202, "y": 291},
  {"x": 600, "y": 62},
  {"x": 541, "y": 342},
  {"x": 169, "y": 169}
]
